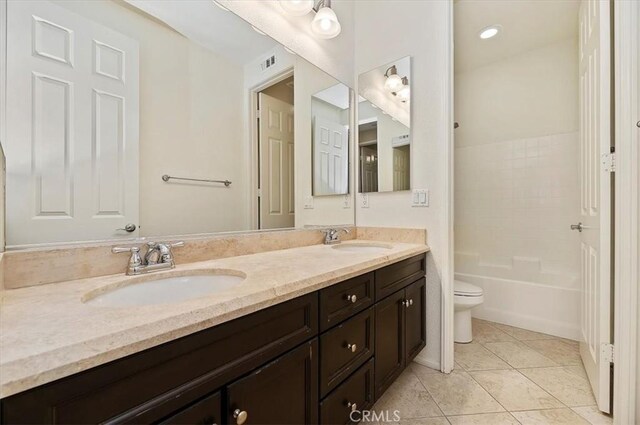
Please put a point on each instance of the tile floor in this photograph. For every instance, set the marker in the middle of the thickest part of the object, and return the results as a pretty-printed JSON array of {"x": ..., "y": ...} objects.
[{"x": 505, "y": 376}]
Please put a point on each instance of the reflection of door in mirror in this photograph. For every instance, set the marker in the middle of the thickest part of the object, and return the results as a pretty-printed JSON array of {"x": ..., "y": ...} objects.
[
  {"x": 76, "y": 173},
  {"x": 276, "y": 141},
  {"x": 401, "y": 167},
  {"x": 368, "y": 141}
]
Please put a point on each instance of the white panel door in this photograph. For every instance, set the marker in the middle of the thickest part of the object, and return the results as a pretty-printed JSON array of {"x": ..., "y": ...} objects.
[
  {"x": 330, "y": 157},
  {"x": 277, "y": 202},
  {"x": 595, "y": 195},
  {"x": 72, "y": 127}
]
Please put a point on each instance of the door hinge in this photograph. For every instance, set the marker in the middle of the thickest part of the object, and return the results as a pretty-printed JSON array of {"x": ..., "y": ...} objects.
[
  {"x": 259, "y": 193},
  {"x": 607, "y": 352},
  {"x": 609, "y": 162},
  {"x": 258, "y": 113}
]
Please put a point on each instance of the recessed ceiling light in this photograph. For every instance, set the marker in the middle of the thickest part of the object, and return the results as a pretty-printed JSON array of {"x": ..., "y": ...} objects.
[{"x": 489, "y": 32}]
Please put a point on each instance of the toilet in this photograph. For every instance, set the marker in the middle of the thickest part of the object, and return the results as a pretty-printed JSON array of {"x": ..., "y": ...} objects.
[{"x": 465, "y": 297}]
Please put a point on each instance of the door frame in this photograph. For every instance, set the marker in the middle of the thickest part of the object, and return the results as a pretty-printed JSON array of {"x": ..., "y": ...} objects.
[
  {"x": 254, "y": 140},
  {"x": 626, "y": 34}
]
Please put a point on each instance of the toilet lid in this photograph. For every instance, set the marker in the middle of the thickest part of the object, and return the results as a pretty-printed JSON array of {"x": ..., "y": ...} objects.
[{"x": 465, "y": 288}]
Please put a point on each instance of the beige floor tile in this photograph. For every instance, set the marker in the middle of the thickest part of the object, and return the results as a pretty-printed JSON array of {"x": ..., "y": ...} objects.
[
  {"x": 519, "y": 355},
  {"x": 484, "y": 419},
  {"x": 550, "y": 417},
  {"x": 593, "y": 415},
  {"x": 484, "y": 332},
  {"x": 408, "y": 396},
  {"x": 476, "y": 357},
  {"x": 514, "y": 391},
  {"x": 522, "y": 334},
  {"x": 417, "y": 421},
  {"x": 457, "y": 393},
  {"x": 557, "y": 350},
  {"x": 564, "y": 384}
]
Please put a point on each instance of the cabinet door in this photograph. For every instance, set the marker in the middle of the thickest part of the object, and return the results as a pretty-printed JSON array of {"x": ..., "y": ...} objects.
[
  {"x": 415, "y": 319},
  {"x": 204, "y": 412},
  {"x": 284, "y": 391},
  {"x": 389, "y": 341}
]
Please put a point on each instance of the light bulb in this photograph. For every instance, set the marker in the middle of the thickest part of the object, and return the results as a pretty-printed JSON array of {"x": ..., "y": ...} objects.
[
  {"x": 297, "y": 7},
  {"x": 393, "y": 83},
  {"x": 325, "y": 24},
  {"x": 404, "y": 93}
]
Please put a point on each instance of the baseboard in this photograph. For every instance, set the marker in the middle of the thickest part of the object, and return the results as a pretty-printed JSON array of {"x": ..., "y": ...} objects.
[
  {"x": 430, "y": 363},
  {"x": 530, "y": 323}
]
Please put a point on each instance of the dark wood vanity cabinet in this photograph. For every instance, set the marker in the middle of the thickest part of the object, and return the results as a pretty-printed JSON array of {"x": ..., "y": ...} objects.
[
  {"x": 309, "y": 360},
  {"x": 400, "y": 333}
]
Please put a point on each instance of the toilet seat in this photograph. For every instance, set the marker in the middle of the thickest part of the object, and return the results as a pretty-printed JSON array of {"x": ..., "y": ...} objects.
[{"x": 466, "y": 289}]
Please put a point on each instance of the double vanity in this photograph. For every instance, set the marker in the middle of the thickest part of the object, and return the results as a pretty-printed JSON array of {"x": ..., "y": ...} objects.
[{"x": 311, "y": 334}]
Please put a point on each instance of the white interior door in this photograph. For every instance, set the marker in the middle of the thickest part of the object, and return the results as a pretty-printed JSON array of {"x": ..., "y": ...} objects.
[
  {"x": 72, "y": 127},
  {"x": 330, "y": 157},
  {"x": 277, "y": 194},
  {"x": 595, "y": 195}
]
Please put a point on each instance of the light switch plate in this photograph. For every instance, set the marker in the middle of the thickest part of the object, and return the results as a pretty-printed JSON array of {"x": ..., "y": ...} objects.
[
  {"x": 420, "y": 198},
  {"x": 308, "y": 203},
  {"x": 364, "y": 200}
]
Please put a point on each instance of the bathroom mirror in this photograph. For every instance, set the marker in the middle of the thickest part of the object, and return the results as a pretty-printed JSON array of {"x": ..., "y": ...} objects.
[
  {"x": 151, "y": 118},
  {"x": 330, "y": 115},
  {"x": 384, "y": 123}
]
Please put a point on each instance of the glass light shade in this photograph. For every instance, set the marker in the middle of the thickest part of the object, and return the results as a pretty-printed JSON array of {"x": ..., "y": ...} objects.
[
  {"x": 404, "y": 93},
  {"x": 325, "y": 24},
  {"x": 393, "y": 83},
  {"x": 297, "y": 7}
]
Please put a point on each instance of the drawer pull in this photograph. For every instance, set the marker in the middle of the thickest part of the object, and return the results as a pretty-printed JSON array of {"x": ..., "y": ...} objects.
[
  {"x": 352, "y": 298},
  {"x": 352, "y": 347},
  {"x": 352, "y": 406},
  {"x": 240, "y": 416},
  {"x": 407, "y": 303}
]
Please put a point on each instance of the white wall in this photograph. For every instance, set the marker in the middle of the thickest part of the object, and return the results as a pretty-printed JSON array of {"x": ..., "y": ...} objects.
[
  {"x": 381, "y": 29},
  {"x": 190, "y": 125}
]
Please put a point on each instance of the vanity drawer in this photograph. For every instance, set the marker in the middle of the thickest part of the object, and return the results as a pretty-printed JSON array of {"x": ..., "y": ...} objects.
[
  {"x": 206, "y": 411},
  {"x": 355, "y": 393},
  {"x": 345, "y": 348},
  {"x": 343, "y": 300},
  {"x": 148, "y": 386},
  {"x": 396, "y": 276}
]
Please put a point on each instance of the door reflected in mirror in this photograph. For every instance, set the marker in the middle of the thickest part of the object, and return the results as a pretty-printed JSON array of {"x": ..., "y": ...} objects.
[
  {"x": 384, "y": 122},
  {"x": 330, "y": 139}
]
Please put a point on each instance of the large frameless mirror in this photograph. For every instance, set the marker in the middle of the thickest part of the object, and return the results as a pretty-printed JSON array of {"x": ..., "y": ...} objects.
[
  {"x": 131, "y": 119},
  {"x": 384, "y": 123}
]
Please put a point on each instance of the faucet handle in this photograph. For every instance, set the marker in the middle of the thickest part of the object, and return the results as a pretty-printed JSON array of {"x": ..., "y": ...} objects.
[{"x": 135, "y": 260}]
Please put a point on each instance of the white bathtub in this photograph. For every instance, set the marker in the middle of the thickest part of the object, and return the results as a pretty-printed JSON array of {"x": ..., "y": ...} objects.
[{"x": 550, "y": 309}]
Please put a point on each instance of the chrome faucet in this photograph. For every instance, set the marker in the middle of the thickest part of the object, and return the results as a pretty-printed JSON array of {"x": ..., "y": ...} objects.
[
  {"x": 158, "y": 257},
  {"x": 332, "y": 236}
]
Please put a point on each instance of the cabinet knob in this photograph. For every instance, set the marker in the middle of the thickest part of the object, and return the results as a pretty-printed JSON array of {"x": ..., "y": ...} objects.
[
  {"x": 352, "y": 347},
  {"x": 352, "y": 298},
  {"x": 352, "y": 406},
  {"x": 411, "y": 301},
  {"x": 240, "y": 416}
]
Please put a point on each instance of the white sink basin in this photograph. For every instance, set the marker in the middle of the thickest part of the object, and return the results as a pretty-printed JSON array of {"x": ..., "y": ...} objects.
[
  {"x": 168, "y": 290},
  {"x": 369, "y": 248}
]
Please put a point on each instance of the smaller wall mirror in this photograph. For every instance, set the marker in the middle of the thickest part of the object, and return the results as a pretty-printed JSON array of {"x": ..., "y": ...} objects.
[
  {"x": 384, "y": 123},
  {"x": 330, "y": 115}
]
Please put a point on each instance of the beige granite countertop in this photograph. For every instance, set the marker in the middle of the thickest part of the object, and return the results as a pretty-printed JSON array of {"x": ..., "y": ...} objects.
[{"x": 47, "y": 332}]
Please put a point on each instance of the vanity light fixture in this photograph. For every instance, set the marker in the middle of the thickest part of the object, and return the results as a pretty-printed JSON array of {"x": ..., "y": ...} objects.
[
  {"x": 405, "y": 92},
  {"x": 393, "y": 82},
  {"x": 324, "y": 25},
  {"x": 297, "y": 7},
  {"x": 489, "y": 32}
]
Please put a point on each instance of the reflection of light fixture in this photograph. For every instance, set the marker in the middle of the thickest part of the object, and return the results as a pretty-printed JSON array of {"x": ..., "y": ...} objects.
[
  {"x": 297, "y": 7},
  {"x": 220, "y": 6},
  {"x": 393, "y": 82},
  {"x": 405, "y": 92},
  {"x": 324, "y": 25},
  {"x": 489, "y": 32}
]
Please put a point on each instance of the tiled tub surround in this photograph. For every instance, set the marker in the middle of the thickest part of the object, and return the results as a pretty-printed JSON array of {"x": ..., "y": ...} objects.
[
  {"x": 515, "y": 201},
  {"x": 47, "y": 332}
]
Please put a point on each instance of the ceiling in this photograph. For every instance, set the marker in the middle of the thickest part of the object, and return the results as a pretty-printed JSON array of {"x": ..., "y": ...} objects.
[
  {"x": 526, "y": 25},
  {"x": 211, "y": 27}
]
